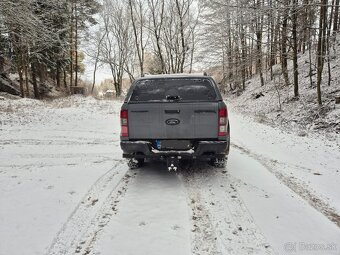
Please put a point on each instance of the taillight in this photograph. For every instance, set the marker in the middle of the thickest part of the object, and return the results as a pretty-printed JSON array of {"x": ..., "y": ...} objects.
[
  {"x": 222, "y": 121},
  {"x": 124, "y": 123}
]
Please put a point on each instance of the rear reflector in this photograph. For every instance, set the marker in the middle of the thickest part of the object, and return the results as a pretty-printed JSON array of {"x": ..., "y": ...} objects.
[
  {"x": 124, "y": 123},
  {"x": 125, "y": 131},
  {"x": 223, "y": 129}
]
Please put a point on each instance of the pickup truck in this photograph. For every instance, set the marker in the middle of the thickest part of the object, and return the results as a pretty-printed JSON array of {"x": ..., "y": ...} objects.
[{"x": 174, "y": 117}]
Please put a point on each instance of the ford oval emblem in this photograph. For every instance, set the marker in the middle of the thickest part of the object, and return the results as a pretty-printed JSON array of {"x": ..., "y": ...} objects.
[{"x": 172, "y": 122}]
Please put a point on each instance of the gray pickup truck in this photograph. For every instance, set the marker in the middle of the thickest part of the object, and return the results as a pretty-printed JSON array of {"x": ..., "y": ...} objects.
[{"x": 174, "y": 117}]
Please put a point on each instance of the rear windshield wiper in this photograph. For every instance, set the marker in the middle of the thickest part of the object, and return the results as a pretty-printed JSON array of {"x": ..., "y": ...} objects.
[{"x": 172, "y": 98}]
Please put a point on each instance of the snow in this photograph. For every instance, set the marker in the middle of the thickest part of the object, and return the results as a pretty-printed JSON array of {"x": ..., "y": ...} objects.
[
  {"x": 140, "y": 226},
  {"x": 284, "y": 217},
  {"x": 304, "y": 161},
  {"x": 304, "y": 116},
  {"x": 50, "y": 155},
  {"x": 65, "y": 189}
]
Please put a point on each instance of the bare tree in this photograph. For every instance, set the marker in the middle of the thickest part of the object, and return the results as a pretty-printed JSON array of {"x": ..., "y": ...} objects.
[
  {"x": 138, "y": 15},
  {"x": 118, "y": 42},
  {"x": 157, "y": 10}
]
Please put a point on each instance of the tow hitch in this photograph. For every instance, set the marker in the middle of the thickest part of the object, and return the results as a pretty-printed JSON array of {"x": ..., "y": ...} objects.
[{"x": 172, "y": 163}]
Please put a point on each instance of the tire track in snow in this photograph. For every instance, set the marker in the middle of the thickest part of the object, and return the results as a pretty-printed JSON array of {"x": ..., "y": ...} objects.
[
  {"x": 222, "y": 222},
  {"x": 102, "y": 218},
  {"x": 81, "y": 217},
  {"x": 203, "y": 233},
  {"x": 204, "y": 236},
  {"x": 56, "y": 142},
  {"x": 297, "y": 186}
]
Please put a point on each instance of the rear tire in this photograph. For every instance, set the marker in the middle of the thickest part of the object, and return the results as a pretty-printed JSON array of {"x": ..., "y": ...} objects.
[
  {"x": 135, "y": 163},
  {"x": 218, "y": 162},
  {"x": 141, "y": 162}
]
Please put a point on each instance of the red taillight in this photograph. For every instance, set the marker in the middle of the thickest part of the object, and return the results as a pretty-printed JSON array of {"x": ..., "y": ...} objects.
[
  {"x": 124, "y": 114},
  {"x": 124, "y": 123},
  {"x": 222, "y": 121},
  {"x": 222, "y": 112}
]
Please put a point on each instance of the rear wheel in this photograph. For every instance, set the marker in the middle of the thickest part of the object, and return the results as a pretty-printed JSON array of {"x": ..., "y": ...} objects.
[
  {"x": 135, "y": 163},
  {"x": 218, "y": 162}
]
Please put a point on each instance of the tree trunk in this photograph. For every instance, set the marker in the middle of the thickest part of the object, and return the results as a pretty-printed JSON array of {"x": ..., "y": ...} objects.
[
  {"x": 58, "y": 74},
  {"x": 17, "y": 46},
  {"x": 230, "y": 56},
  {"x": 65, "y": 77},
  {"x": 273, "y": 41},
  {"x": 34, "y": 79},
  {"x": 305, "y": 23},
  {"x": 284, "y": 62},
  {"x": 243, "y": 56},
  {"x": 71, "y": 45},
  {"x": 259, "y": 41},
  {"x": 94, "y": 75},
  {"x": 76, "y": 46},
  {"x": 310, "y": 62},
  {"x": 193, "y": 51},
  {"x": 183, "y": 44},
  {"x": 2, "y": 64},
  {"x": 310, "y": 47},
  {"x": 21, "y": 82},
  {"x": 295, "y": 49},
  {"x": 27, "y": 81},
  {"x": 321, "y": 47},
  {"x": 336, "y": 18},
  {"x": 96, "y": 61},
  {"x": 329, "y": 23}
]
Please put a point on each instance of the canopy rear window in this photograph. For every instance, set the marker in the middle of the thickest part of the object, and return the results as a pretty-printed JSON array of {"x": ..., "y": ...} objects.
[{"x": 155, "y": 90}]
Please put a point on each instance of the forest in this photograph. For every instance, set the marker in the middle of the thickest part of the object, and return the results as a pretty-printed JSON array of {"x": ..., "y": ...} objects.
[{"x": 47, "y": 40}]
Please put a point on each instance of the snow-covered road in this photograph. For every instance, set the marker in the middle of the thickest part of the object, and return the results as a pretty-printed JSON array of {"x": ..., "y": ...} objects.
[{"x": 64, "y": 189}]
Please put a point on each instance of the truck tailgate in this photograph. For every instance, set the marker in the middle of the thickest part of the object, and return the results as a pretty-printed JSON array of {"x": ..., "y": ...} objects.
[{"x": 173, "y": 120}]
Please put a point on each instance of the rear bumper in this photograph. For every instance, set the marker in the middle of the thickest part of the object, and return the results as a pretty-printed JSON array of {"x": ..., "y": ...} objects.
[{"x": 204, "y": 149}]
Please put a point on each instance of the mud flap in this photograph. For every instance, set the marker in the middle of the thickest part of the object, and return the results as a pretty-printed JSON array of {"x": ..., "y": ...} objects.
[{"x": 172, "y": 164}]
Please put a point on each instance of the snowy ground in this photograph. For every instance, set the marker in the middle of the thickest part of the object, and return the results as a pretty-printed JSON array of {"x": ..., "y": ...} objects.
[
  {"x": 274, "y": 103},
  {"x": 64, "y": 189}
]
